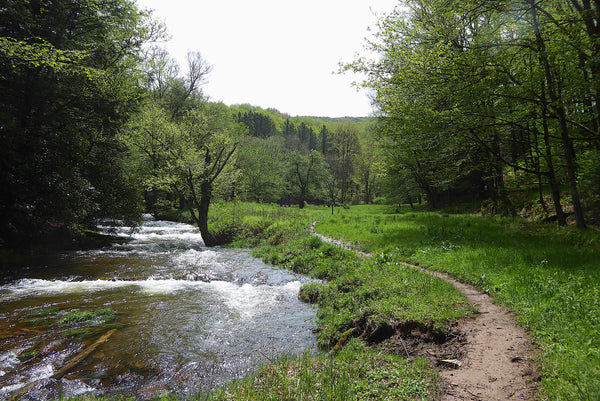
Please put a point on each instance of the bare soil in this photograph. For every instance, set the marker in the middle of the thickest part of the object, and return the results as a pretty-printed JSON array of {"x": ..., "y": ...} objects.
[{"x": 487, "y": 357}]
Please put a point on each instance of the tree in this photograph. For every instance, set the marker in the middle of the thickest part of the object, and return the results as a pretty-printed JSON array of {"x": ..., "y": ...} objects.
[
  {"x": 344, "y": 149},
  {"x": 259, "y": 124},
  {"x": 324, "y": 133},
  {"x": 183, "y": 143},
  {"x": 207, "y": 140},
  {"x": 370, "y": 168},
  {"x": 496, "y": 86},
  {"x": 68, "y": 78},
  {"x": 306, "y": 175},
  {"x": 261, "y": 164}
]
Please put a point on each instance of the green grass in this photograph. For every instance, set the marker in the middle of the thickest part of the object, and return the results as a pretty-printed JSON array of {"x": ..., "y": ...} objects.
[
  {"x": 251, "y": 224},
  {"x": 370, "y": 296},
  {"x": 355, "y": 373},
  {"x": 367, "y": 295},
  {"x": 549, "y": 276}
]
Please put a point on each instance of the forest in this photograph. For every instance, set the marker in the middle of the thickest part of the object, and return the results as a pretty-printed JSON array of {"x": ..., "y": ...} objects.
[
  {"x": 98, "y": 123},
  {"x": 492, "y": 99}
]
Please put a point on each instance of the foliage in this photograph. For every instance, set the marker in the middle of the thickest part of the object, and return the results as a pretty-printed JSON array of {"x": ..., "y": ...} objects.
[
  {"x": 183, "y": 146},
  {"x": 467, "y": 91},
  {"x": 305, "y": 173},
  {"x": 278, "y": 143},
  {"x": 68, "y": 79},
  {"x": 261, "y": 164}
]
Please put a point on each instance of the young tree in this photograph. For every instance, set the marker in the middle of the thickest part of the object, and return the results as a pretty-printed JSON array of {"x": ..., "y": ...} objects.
[
  {"x": 207, "y": 139},
  {"x": 183, "y": 143}
]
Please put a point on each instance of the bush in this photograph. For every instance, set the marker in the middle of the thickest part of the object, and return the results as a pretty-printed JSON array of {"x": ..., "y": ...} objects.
[{"x": 311, "y": 293}]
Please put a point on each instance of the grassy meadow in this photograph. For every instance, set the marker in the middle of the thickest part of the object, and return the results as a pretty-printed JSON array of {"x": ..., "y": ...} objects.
[
  {"x": 360, "y": 302},
  {"x": 549, "y": 276}
]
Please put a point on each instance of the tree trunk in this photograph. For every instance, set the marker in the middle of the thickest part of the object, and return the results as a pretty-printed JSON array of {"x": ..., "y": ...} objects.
[
  {"x": 301, "y": 200},
  {"x": 560, "y": 215},
  {"x": 535, "y": 159},
  {"x": 202, "y": 203},
  {"x": 203, "y": 206},
  {"x": 561, "y": 114}
]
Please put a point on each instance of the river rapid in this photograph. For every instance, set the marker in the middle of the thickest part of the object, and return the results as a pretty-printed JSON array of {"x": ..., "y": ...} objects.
[{"x": 187, "y": 318}]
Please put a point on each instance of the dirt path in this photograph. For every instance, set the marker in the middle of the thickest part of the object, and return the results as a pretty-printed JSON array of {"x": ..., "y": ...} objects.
[
  {"x": 488, "y": 358},
  {"x": 495, "y": 361}
]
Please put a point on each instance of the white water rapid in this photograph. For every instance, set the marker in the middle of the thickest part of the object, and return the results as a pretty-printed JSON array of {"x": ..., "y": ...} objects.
[{"x": 187, "y": 318}]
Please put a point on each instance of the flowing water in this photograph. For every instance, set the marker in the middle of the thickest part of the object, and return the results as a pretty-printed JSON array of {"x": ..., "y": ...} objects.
[{"x": 188, "y": 318}]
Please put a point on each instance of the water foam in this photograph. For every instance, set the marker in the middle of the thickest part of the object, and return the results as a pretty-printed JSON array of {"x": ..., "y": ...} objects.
[
  {"x": 194, "y": 258},
  {"x": 243, "y": 309},
  {"x": 8, "y": 361},
  {"x": 152, "y": 231},
  {"x": 245, "y": 298}
]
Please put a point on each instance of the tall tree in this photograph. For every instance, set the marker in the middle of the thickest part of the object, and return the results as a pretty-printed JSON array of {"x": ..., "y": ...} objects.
[
  {"x": 343, "y": 153},
  {"x": 501, "y": 85},
  {"x": 68, "y": 78},
  {"x": 185, "y": 144},
  {"x": 208, "y": 140},
  {"x": 307, "y": 173}
]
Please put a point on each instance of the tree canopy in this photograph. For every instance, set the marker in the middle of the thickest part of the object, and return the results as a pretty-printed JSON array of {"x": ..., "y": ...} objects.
[
  {"x": 69, "y": 80},
  {"x": 469, "y": 91}
]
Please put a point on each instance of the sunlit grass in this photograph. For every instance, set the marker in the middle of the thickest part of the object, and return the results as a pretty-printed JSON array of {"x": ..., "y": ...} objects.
[
  {"x": 550, "y": 276},
  {"x": 361, "y": 297}
]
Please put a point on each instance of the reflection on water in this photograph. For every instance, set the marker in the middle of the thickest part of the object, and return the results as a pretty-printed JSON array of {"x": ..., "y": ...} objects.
[{"x": 189, "y": 318}]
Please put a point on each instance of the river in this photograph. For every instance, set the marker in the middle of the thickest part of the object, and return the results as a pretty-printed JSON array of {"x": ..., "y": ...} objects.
[{"x": 187, "y": 317}]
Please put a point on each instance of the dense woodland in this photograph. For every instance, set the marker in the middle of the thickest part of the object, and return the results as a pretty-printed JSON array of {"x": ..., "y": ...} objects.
[
  {"x": 493, "y": 104},
  {"x": 483, "y": 99}
]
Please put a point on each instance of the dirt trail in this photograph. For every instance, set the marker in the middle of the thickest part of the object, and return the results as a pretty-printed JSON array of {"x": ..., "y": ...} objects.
[
  {"x": 496, "y": 353},
  {"x": 491, "y": 361}
]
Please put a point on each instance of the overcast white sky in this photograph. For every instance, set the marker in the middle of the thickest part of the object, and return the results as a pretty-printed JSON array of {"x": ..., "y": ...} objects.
[{"x": 275, "y": 53}]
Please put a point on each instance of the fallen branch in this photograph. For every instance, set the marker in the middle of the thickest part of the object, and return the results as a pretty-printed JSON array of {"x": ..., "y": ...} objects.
[{"x": 82, "y": 355}]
